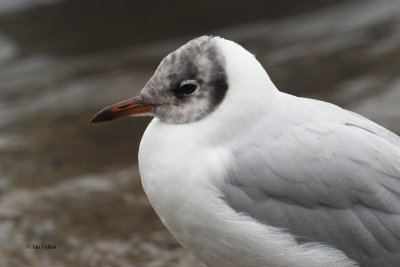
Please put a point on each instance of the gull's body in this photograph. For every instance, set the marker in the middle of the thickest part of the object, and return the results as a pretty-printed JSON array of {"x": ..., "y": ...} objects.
[{"x": 263, "y": 178}]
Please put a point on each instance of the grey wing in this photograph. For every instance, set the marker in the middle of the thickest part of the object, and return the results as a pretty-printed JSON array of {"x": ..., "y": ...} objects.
[{"x": 336, "y": 184}]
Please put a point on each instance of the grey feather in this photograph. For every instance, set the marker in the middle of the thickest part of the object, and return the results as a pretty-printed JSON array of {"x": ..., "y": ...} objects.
[{"x": 336, "y": 183}]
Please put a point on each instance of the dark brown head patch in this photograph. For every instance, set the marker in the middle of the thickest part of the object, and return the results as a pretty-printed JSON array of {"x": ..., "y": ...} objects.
[{"x": 199, "y": 60}]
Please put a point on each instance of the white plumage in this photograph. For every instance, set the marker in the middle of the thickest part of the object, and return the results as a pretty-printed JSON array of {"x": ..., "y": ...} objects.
[{"x": 269, "y": 179}]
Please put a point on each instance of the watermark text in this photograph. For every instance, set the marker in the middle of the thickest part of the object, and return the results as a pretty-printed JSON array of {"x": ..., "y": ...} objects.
[{"x": 40, "y": 246}]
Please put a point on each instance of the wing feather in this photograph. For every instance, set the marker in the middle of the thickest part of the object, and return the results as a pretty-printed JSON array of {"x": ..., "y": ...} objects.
[{"x": 338, "y": 184}]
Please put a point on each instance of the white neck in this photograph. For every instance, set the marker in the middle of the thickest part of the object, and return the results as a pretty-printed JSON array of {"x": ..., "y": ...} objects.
[{"x": 250, "y": 88}]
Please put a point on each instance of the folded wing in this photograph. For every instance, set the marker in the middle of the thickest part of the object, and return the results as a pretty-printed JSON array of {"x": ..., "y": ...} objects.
[{"x": 334, "y": 183}]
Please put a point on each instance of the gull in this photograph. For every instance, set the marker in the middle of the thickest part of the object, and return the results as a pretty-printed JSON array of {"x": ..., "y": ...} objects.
[{"x": 245, "y": 175}]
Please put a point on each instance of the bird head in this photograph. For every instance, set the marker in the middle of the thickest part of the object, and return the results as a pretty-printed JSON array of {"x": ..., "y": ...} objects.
[{"x": 190, "y": 83}]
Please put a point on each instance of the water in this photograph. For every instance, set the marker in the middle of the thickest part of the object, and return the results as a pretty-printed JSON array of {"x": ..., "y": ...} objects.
[{"x": 77, "y": 187}]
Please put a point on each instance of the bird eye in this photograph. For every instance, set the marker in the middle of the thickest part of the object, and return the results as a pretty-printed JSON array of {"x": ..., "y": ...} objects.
[{"x": 186, "y": 88}]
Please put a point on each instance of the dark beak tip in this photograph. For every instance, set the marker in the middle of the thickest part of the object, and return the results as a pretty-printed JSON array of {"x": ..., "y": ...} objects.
[
  {"x": 103, "y": 115},
  {"x": 92, "y": 121}
]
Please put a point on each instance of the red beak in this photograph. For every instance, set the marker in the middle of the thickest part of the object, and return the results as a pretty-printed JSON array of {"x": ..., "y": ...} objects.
[{"x": 121, "y": 109}]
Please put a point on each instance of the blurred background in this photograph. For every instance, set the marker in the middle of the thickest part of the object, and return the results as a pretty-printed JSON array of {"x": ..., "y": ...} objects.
[{"x": 77, "y": 187}]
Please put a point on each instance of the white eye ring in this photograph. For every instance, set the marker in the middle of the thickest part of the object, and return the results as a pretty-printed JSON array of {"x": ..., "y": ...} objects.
[{"x": 190, "y": 82}]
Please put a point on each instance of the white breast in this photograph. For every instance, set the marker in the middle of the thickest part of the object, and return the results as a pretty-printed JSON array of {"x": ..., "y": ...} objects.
[{"x": 181, "y": 178}]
